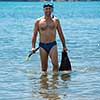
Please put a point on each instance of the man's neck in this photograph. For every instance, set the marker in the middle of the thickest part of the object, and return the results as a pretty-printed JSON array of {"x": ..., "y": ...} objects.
[{"x": 47, "y": 17}]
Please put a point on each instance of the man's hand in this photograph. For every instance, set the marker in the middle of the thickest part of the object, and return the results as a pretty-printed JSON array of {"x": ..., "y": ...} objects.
[
  {"x": 65, "y": 49},
  {"x": 33, "y": 50}
]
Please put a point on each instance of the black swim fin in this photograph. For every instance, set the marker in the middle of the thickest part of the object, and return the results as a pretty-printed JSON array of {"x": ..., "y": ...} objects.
[{"x": 65, "y": 63}]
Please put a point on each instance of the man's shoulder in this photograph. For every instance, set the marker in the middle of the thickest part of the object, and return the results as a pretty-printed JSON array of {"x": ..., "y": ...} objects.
[
  {"x": 38, "y": 19},
  {"x": 56, "y": 19}
]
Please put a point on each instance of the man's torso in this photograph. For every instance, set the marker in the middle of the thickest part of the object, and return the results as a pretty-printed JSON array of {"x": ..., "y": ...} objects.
[{"x": 47, "y": 29}]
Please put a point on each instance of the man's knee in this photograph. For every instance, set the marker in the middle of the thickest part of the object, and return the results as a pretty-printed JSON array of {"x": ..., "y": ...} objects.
[
  {"x": 55, "y": 65},
  {"x": 55, "y": 62}
]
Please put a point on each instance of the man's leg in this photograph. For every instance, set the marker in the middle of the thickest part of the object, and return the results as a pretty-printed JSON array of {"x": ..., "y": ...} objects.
[
  {"x": 44, "y": 60},
  {"x": 54, "y": 58}
]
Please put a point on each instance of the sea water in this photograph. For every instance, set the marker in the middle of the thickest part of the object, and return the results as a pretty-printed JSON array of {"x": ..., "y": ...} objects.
[{"x": 21, "y": 80}]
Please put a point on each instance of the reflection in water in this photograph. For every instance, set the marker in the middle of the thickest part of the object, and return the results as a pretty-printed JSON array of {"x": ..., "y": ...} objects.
[
  {"x": 65, "y": 77},
  {"x": 50, "y": 87},
  {"x": 43, "y": 82}
]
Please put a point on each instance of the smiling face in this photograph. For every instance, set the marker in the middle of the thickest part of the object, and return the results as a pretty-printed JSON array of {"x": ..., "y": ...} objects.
[{"x": 48, "y": 11}]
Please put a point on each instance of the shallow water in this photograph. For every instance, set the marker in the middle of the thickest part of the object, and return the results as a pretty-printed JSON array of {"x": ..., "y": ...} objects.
[{"x": 20, "y": 80}]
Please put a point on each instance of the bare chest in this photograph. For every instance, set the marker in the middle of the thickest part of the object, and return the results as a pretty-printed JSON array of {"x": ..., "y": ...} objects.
[{"x": 44, "y": 25}]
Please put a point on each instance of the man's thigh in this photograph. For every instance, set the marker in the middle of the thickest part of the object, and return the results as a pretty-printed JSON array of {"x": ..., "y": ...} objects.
[
  {"x": 44, "y": 57},
  {"x": 54, "y": 55}
]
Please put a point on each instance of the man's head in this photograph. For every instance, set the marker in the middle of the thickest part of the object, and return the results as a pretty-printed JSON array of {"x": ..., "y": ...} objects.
[{"x": 48, "y": 9}]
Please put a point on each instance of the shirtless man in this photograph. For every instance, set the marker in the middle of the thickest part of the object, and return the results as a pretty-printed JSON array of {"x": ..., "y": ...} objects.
[{"x": 46, "y": 26}]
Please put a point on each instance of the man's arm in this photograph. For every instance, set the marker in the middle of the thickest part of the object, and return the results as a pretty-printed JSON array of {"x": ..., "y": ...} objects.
[
  {"x": 61, "y": 35},
  {"x": 35, "y": 31}
]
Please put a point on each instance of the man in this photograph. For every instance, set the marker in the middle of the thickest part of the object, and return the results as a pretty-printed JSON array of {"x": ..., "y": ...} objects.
[{"x": 47, "y": 26}]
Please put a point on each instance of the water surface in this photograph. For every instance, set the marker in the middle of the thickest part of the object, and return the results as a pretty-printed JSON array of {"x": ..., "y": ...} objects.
[{"x": 20, "y": 80}]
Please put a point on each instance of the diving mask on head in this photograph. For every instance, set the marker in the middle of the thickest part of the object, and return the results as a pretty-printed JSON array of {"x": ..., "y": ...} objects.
[{"x": 48, "y": 5}]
